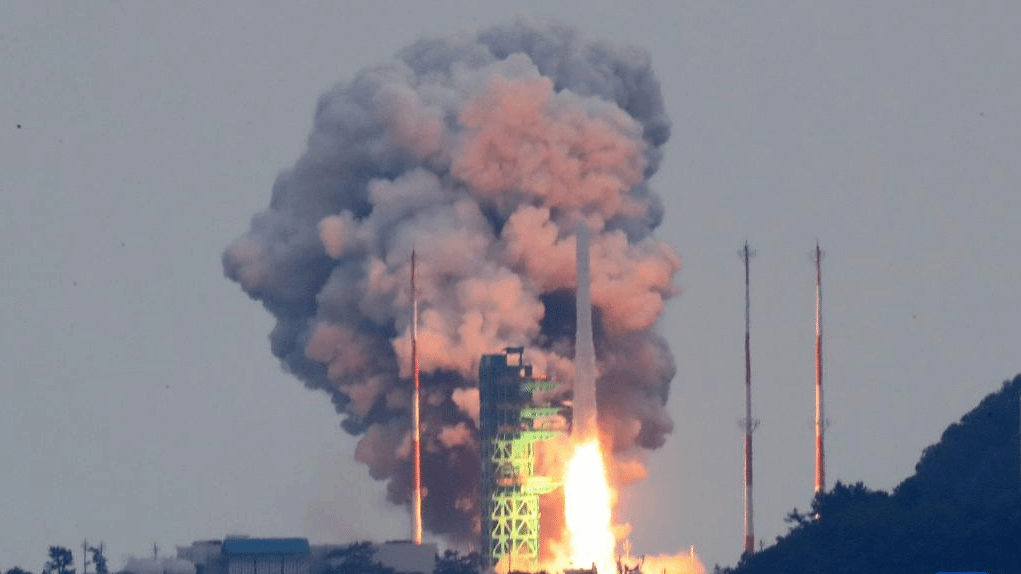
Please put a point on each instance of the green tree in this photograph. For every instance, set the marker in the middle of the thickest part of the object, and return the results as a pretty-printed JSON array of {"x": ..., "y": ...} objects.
[
  {"x": 61, "y": 561},
  {"x": 453, "y": 562},
  {"x": 959, "y": 512},
  {"x": 98, "y": 559},
  {"x": 357, "y": 558}
]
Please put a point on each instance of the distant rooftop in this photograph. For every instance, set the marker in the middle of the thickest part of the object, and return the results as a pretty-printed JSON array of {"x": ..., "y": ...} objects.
[{"x": 265, "y": 546}]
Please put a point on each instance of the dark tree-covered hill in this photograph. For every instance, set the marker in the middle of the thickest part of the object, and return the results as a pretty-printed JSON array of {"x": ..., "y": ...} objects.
[{"x": 959, "y": 512}]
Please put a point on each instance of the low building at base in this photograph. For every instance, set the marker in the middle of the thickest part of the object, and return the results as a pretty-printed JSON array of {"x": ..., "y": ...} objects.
[
  {"x": 244, "y": 555},
  {"x": 265, "y": 556}
]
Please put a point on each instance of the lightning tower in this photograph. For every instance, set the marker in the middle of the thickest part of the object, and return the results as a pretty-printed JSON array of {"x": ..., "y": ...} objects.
[
  {"x": 748, "y": 423},
  {"x": 416, "y": 423},
  {"x": 820, "y": 420}
]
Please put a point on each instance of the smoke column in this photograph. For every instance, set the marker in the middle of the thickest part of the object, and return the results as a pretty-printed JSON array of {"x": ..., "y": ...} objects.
[
  {"x": 584, "y": 408},
  {"x": 485, "y": 151}
]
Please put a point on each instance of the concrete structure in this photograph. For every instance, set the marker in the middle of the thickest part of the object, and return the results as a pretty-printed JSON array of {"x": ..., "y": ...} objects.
[
  {"x": 204, "y": 554},
  {"x": 158, "y": 565},
  {"x": 407, "y": 556},
  {"x": 404, "y": 556}
]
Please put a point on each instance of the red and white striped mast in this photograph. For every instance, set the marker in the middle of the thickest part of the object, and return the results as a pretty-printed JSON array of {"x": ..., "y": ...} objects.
[
  {"x": 820, "y": 420},
  {"x": 416, "y": 496},
  {"x": 749, "y": 424}
]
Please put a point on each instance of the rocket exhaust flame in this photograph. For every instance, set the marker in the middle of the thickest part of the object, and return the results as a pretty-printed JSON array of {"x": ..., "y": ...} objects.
[
  {"x": 485, "y": 151},
  {"x": 587, "y": 509}
]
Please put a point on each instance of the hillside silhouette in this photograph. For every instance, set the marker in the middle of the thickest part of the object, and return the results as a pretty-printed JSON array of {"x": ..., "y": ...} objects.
[{"x": 959, "y": 512}]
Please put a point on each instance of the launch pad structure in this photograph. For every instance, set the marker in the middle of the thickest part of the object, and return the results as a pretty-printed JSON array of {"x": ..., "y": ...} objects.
[{"x": 510, "y": 424}]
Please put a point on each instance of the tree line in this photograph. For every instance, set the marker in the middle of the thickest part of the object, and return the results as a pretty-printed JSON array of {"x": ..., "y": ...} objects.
[{"x": 61, "y": 561}]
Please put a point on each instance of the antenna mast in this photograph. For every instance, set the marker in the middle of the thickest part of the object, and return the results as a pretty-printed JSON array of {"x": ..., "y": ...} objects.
[
  {"x": 416, "y": 499},
  {"x": 748, "y": 423},
  {"x": 820, "y": 420}
]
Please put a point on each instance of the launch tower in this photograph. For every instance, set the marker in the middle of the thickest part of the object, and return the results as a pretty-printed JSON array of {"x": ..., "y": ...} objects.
[{"x": 510, "y": 424}]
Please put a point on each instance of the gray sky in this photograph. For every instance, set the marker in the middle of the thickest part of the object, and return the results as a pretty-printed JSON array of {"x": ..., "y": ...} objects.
[{"x": 141, "y": 402}]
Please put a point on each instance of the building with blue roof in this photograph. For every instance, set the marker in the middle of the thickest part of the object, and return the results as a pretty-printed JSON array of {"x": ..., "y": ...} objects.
[
  {"x": 265, "y": 556},
  {"x": 243, "y": 555}
]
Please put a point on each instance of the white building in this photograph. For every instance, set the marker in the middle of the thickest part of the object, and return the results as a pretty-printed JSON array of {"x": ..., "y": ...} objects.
[
  {"x": 406, "y": 557},
  {"x": 204, "y": 554}
]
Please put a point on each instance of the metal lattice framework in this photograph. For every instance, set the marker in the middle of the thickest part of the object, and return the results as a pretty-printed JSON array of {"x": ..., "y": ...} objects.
[{"x": 510, "y": 425}]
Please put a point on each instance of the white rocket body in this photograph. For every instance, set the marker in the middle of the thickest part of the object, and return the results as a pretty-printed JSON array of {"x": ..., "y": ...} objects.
[{"x": 584, "y": 413}]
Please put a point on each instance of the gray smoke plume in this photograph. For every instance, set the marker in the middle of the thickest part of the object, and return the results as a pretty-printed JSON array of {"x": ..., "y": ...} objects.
[{"x": 484, "y": 152}]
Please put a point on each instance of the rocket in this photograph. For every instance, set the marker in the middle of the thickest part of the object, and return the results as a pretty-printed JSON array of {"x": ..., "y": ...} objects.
[{"x": 584, "y": 416}]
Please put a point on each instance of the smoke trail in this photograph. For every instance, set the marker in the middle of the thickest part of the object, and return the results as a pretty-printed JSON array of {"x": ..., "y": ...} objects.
[{"x": 485, "y": 151}]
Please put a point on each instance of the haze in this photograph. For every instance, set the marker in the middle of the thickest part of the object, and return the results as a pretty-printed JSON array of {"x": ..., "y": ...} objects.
[{"x": 141, "y": 402}]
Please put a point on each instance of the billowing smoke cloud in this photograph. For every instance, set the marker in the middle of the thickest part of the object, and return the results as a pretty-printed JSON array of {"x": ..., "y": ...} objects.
[{"x": 483, "y": 152}]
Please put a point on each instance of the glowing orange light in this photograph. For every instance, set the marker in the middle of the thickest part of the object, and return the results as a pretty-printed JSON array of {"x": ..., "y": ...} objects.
[{"x": 587, "y": 508}]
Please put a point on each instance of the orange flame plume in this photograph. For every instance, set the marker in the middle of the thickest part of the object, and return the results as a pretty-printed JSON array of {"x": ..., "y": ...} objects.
[{"x": 587, "y": 509}]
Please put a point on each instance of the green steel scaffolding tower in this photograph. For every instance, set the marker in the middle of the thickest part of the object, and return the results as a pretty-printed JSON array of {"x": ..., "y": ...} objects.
[{"x": 510, "y": 424}]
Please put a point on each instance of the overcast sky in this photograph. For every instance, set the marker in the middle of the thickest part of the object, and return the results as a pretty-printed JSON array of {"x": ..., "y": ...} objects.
[{"x": 140, "y": 400}]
